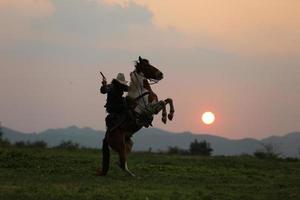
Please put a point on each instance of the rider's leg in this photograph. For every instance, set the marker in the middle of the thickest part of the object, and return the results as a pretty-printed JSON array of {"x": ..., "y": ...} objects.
[{"x": 105, "y": 157}]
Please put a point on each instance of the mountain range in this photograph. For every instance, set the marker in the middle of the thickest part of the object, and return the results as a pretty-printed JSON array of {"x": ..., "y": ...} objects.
[{"x": 160, "y": 140}]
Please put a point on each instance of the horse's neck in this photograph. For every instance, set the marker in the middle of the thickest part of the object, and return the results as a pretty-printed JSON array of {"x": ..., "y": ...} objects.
[
  {"x": 147, "y": 85},
  {"x": 137, "y": 88}
]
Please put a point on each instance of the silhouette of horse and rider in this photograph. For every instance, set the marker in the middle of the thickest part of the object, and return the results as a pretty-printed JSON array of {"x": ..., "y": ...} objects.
[{"x": 127, "y": 115}]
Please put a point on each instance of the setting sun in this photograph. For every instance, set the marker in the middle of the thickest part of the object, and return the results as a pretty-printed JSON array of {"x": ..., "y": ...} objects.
[{"x": 208, "y": 118}]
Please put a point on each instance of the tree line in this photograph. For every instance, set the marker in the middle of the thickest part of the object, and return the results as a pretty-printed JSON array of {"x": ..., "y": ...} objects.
[
  {"x": 38, "y": 144},
  {"x": 202, "y": 148}
]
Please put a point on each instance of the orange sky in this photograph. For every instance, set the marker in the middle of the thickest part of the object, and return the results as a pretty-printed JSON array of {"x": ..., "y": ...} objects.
[
  {"x": 255, "y": 27},
  {"x": 237, "y": 58}
]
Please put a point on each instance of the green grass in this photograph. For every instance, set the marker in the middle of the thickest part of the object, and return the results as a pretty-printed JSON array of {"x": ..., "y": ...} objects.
[{"x": 64, "y": 174}]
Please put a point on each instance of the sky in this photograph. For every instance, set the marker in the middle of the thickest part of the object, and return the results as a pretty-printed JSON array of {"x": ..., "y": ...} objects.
[{"x": 239, "y": 59}]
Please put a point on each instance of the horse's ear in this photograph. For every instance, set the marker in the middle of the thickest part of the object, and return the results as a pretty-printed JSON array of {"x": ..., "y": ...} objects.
[{"x": 140, "y": 59}]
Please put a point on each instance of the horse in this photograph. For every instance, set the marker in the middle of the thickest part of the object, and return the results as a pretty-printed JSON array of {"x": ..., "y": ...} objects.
[{"x": 144, "y": 104}]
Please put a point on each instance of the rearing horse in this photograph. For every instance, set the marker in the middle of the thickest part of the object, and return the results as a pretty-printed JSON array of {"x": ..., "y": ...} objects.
[{"x": 145, "y": 104}]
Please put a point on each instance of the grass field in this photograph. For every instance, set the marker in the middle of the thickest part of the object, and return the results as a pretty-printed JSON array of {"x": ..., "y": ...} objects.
[{"x": 70, "y": 174}]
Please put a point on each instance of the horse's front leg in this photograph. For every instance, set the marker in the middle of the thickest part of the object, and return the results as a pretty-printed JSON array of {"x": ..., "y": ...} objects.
[
  {"x": 164, "y": 114},
  {"x": 161, "y": 105},
  {"x": 172, "y": 109}
]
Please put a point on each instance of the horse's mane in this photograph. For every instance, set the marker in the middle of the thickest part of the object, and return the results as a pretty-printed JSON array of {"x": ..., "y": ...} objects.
[{"x": 137, "y": 63}]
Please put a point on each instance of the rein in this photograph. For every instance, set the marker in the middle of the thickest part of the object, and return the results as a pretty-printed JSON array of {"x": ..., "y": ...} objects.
[{"x": 142, "y": 95}]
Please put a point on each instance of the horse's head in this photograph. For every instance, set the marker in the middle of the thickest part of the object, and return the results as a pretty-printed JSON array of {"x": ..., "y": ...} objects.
[{"x": 149, "y": 71}]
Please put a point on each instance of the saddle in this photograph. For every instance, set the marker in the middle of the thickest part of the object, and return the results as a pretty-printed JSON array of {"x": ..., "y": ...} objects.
[{"x": 115, "y": 120}]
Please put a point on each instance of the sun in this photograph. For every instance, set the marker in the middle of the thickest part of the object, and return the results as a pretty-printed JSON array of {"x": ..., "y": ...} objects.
[{"x": 208, "y": 118}]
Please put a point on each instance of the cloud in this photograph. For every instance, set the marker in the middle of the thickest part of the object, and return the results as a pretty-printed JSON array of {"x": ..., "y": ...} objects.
[
  {"x": 250, "y": 28},
  {"x": 91, "y": 18},
  {"x": 60, "y": 27},
  {"x": 28, "y": 8},
  {"x": 16, "y": 15}
]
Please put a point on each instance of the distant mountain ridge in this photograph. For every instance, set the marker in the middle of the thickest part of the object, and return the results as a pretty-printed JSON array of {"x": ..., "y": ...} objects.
[{"x": 156, "y": 139}]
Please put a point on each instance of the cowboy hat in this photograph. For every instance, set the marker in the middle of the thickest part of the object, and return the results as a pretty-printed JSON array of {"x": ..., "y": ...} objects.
[{"x": 121, "y": 79}]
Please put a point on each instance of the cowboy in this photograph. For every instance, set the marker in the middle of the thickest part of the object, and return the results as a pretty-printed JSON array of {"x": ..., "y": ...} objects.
[{"x": 115, "y": 102}]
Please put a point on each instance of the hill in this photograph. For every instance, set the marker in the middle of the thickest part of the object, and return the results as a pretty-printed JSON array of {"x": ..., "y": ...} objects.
[{"x": 160, "y": 140}]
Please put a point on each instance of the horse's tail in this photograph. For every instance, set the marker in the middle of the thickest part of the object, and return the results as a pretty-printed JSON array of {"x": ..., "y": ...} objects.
[{"x": 105, "y": 156}]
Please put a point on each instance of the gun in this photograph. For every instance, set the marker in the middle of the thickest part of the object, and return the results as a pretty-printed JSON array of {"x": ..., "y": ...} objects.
[{"x": 103, "y": 77}]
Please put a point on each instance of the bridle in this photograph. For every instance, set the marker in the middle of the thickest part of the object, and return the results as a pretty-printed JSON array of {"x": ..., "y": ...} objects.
[
  {"x": 140, "y": 87},
  {"x": 153, "y": 81}
]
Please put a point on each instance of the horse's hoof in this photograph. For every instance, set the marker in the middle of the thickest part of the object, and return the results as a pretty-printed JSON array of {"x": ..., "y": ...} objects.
[
  {"x": 164, "y": 120},
  {"x": 131, "y": 174},
  {"x": 170, "y": 116},
  {"x": 101, "y": 173}
]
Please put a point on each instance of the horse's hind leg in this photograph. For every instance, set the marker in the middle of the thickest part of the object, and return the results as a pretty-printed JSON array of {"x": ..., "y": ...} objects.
[
  {"x": 128, "y": 145},
  {"x": 123, "y": 163},
  {"x": 123, "y": 158},
  {"x": 105, "y": 158},
  {"x": 172, "y": 110}
]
